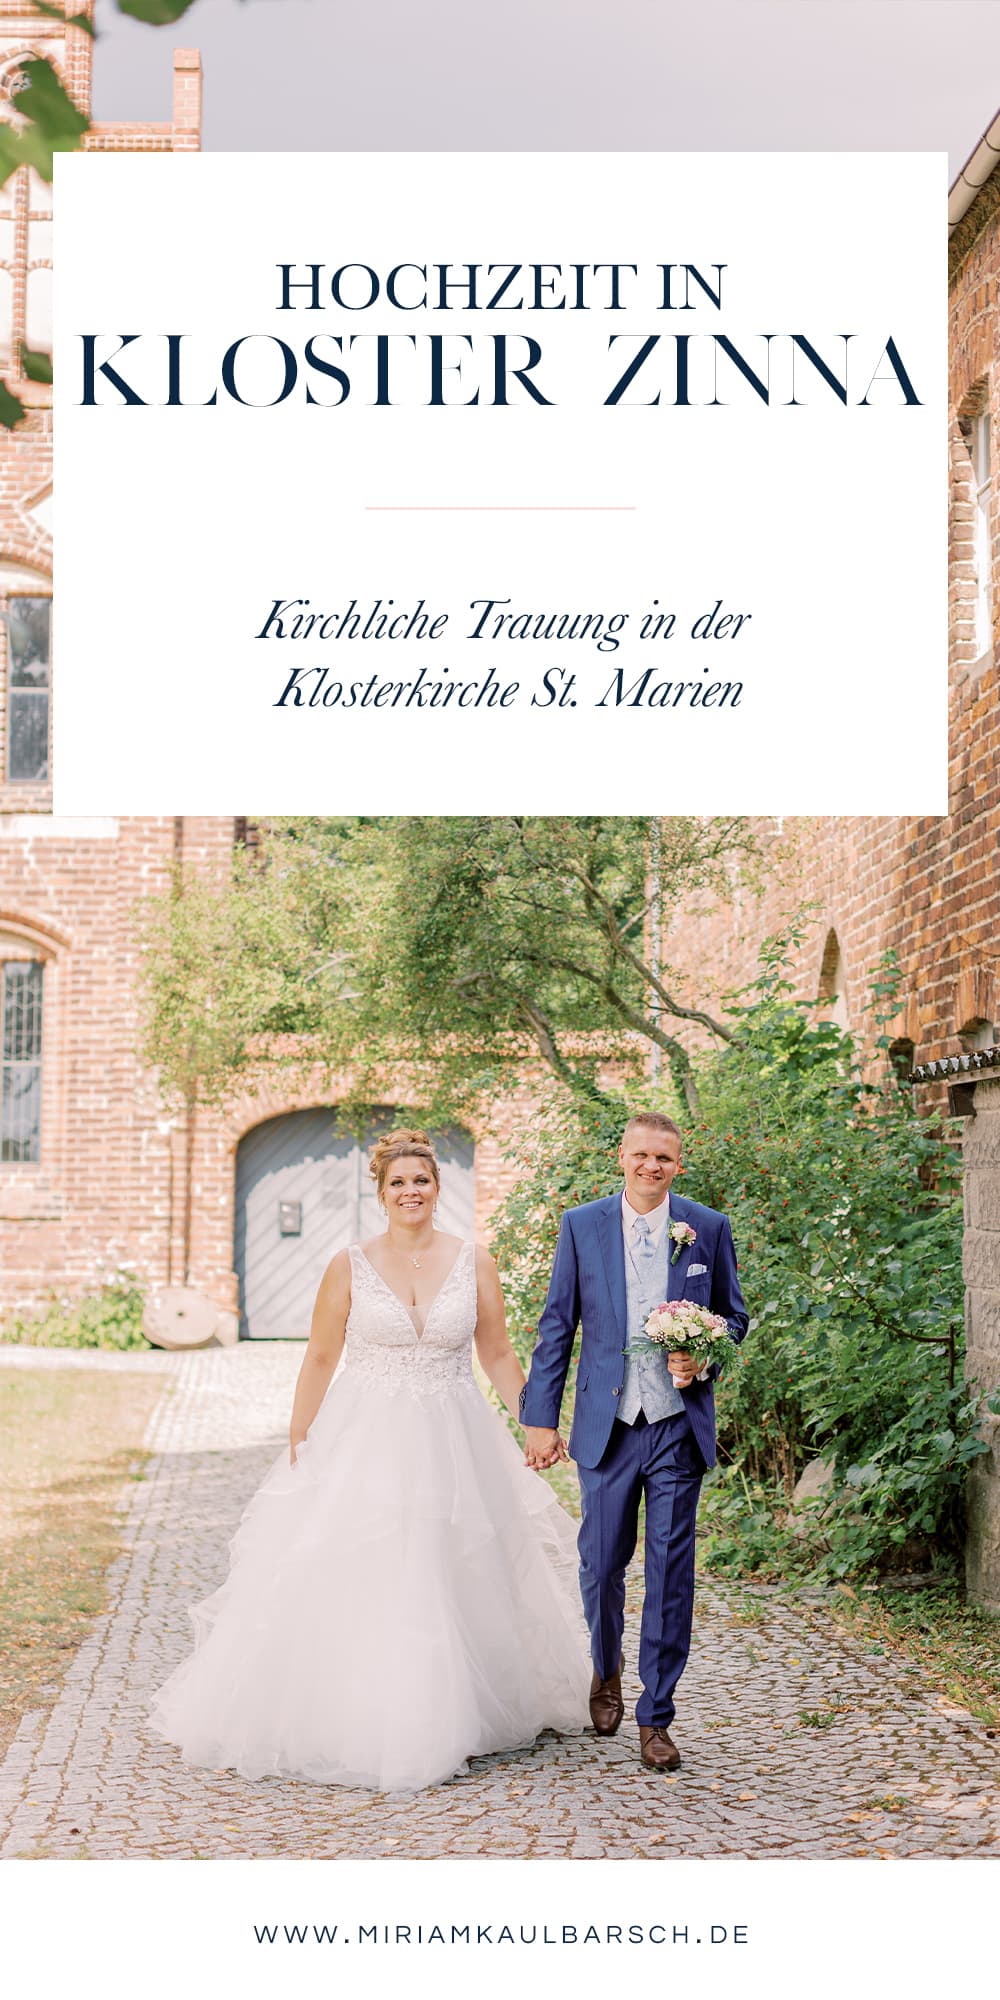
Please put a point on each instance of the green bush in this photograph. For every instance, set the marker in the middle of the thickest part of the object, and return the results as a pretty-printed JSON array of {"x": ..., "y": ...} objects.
[
  {"x": 108, "y": 1318},
  {"x": 569, "y": 1156},
  {"x": 847, "y": 1214}
]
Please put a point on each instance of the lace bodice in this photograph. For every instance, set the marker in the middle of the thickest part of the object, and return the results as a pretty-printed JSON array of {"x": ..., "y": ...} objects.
[{"x": 382, "y": 1342}]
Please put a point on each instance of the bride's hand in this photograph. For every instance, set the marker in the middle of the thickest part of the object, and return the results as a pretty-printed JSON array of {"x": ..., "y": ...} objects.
[
  {"x": 542, "y": 1448},
  {"x": 558, "y": 1455}
]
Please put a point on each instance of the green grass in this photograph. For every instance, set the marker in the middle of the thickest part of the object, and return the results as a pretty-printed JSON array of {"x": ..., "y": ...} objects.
[
  {"x": 68, "y": 1443},
  {"x": 955, "y": 1644},
  {"x": 746, "y": 1610}
]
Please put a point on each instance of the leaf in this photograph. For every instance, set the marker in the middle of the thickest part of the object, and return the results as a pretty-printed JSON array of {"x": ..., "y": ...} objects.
[
  {"x": 860, "y": 1476},
  {"x": 81, "y": 21},
  {"x": 11, "y": 410},
  {"x": 158, "y": 13},
  {"x": 47, "y": 103},
  {"x": 54, "y": 125},
  {"x": 36, "y": 364},
  {"x": 24, "y": 148}
]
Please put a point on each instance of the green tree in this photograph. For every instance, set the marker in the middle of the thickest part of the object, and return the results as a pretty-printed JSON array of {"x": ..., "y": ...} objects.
[
  {"x": 846, "y": 1208},
  {"x": 450, "y": 946}
]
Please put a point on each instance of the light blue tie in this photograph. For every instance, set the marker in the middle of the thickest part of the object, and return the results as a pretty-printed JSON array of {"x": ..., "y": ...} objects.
[{"x": 645, "y": 1249}]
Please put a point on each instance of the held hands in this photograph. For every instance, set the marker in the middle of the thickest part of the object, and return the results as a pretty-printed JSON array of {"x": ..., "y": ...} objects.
[{"x": 542, "y": 1448}]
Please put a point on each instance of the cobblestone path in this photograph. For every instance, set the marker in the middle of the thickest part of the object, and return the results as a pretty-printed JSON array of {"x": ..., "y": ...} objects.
[{"x": 795, "y": 1741}]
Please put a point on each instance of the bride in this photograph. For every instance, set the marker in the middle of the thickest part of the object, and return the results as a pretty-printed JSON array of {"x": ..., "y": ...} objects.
[{"x": 402, "y": 1594}]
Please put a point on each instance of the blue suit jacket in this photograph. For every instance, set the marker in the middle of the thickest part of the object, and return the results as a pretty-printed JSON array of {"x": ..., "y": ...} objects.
[{"x": 588, "y": 1289}]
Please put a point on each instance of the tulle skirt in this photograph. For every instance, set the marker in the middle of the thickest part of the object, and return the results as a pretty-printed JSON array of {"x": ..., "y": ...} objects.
[{"x": 402, "y": 1599}]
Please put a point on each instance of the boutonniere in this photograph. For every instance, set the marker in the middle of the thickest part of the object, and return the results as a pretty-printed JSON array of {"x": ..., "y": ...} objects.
[{"x": 682, "y": 1235}]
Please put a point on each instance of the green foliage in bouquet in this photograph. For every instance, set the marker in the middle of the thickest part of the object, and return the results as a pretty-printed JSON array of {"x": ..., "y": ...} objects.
[
  {"x": 682, "y": 1327},
  {"x": 109, "y": 1318},
  {"x": 846, "y": 1210}
]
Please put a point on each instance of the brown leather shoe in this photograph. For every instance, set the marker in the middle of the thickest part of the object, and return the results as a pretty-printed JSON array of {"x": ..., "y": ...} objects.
[
  {"x": 606, "y": 1704},
  {"x": 657, "y": 1750}
]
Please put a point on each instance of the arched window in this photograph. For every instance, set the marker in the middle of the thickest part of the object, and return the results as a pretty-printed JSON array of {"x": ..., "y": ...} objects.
[
  {"x": 27, "y": 622},
  {"x": 20, "y": 1059},
  {"x": 974, "y": 423},
  {"x": 31, "y": 957}
]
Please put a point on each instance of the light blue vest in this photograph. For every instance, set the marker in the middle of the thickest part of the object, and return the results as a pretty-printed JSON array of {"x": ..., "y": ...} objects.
[{"x": 647, "y": 1385}]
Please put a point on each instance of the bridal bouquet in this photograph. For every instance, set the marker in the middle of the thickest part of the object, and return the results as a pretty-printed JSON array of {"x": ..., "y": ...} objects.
[{"x": 686, "y": 1328}]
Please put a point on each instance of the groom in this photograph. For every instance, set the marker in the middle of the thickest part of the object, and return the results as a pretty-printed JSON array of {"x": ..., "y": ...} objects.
[{"x": 633, "y": 1432}]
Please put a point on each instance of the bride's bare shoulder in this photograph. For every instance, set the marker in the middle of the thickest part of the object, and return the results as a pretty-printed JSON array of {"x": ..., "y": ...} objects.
[
  {"x": 486, "y": 1264},
  {"x": 337, "y": 1276}
]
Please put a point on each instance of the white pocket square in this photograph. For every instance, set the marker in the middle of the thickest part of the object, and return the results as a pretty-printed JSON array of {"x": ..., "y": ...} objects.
[{"x": 693, "y": 1269}]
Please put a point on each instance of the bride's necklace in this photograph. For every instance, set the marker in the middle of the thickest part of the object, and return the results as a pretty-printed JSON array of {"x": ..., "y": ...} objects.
[{"x": 412, "y": 1258}]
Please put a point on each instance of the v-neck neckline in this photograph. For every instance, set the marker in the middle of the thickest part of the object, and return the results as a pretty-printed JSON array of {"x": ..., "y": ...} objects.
[{"x": 452, "y": 1268}]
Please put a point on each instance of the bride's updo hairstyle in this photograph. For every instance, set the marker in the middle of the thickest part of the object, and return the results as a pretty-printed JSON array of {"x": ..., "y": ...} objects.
[{"x": 405, "y": 1144}]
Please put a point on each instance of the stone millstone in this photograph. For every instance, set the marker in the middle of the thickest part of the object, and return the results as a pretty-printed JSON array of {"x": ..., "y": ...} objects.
[{"x": 178, "y": 1316}]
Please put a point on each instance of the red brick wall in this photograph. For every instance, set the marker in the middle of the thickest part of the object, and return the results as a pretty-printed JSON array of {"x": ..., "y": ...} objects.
[
  {"x": 927, "y": 888},
  {"x": 109, "y": 1190},
  {"x": 95, "y": 1194},
  {"x": 26, "y": 452}
]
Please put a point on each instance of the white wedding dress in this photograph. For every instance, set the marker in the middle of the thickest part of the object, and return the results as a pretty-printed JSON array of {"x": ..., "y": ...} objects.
[{"x": 405, "y": 1596}]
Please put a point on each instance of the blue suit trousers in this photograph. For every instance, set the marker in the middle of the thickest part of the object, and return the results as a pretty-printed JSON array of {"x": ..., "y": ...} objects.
[{"x": 662, "y": 1462}]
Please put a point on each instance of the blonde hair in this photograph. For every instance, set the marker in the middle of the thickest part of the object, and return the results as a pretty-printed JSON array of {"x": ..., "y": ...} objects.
[
  {"x": 404, "y": 1144},
  {"x": 657, "y": 1122}
]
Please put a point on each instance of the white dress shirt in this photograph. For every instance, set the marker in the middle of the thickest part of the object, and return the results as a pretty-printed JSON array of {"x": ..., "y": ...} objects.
[{"x": 657, "y": 1219}]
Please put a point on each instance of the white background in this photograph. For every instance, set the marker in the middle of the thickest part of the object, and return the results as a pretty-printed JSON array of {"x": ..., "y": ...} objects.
[
  {"x": 175, "y": 528},
  {"x": 823, "y": 1927}
]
